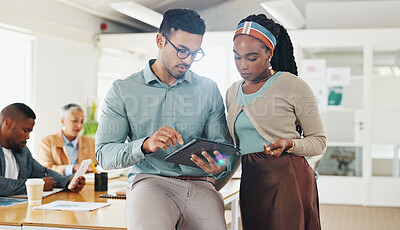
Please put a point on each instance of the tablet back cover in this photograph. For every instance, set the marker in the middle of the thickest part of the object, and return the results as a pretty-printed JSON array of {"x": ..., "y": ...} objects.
[{"x": 196, "y": 146}]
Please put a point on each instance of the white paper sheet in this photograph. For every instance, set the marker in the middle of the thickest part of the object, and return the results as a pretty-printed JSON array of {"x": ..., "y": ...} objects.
[{"x": 72, "y": 206}]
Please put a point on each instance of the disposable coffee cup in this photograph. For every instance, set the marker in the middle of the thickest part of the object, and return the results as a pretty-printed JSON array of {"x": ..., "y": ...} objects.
[
  {"x": 34, "y": 189},
  {"x": 101, "y": 181}
]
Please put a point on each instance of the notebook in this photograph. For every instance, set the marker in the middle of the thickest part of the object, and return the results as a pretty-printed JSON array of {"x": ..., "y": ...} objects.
[{"x": 116, "y": 190}]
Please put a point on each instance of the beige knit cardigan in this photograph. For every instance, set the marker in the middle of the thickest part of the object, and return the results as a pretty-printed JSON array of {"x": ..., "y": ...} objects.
[{"x": 274, "y": 114}]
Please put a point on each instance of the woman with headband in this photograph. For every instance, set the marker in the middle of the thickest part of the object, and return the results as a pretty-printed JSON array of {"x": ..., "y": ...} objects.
[{"x": 273, "y": 116}]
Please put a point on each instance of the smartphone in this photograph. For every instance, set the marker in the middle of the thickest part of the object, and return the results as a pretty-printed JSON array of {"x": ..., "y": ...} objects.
[{"x": 81, "y": 171}]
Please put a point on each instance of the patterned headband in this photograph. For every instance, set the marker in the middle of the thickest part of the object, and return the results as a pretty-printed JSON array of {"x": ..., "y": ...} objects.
[{"x": 258, "y": 31}]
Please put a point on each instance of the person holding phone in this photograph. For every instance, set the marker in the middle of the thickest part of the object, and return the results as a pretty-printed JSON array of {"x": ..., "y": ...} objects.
[
  {"x": 64, "y": 151},
  {"x": 268, "y": 111}
]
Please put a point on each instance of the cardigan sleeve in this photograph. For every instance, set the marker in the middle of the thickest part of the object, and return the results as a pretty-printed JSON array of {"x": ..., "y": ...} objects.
[{"x": 308, "y": 116}]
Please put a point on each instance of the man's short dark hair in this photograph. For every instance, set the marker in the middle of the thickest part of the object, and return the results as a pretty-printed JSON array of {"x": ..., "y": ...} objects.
[
  {"x": 15, "y": 111},
  {"x": 182, "y": 19}
]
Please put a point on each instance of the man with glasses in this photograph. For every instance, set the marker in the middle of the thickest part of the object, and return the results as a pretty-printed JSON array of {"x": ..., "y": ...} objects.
[{"x": 152, "y": 113}]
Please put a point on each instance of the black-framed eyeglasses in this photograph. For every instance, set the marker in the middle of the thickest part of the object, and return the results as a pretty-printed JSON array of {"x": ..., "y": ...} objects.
[{"x": 184, "y": 53}]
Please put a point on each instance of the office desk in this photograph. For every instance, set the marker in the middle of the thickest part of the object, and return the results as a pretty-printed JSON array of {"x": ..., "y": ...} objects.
[
  {"x": 110, "y": 217},
  {"x": 11, "y": 217}
]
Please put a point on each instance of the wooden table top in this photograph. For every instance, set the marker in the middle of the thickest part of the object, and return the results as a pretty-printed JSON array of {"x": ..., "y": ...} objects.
[
  {"x": 110, "y": 217},
  {"x": 104, "y": 218}
]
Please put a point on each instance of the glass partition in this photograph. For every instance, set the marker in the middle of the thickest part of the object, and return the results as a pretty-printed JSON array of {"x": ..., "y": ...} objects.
[
  {"x": 336, "y": 76},
  {"x": 341, "y": 161},
  {"x": 338, "y": 57},
  {"x": 385, "y": 111},
  {"x": 386, "y": 60}
]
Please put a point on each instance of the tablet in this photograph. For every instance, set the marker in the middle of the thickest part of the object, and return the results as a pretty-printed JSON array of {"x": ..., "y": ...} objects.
[
  {"x": 196, "y": 146},
  {"x": 80, "y": 172}
]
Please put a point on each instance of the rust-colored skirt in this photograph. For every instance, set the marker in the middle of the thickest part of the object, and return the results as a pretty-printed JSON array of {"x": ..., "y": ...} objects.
[{"x": 278, "y": 193}]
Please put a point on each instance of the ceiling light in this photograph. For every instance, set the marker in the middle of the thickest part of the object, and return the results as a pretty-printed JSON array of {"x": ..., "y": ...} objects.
[
  {"x": 286, "y": 13},
  {"x": 138, "y": 11}
]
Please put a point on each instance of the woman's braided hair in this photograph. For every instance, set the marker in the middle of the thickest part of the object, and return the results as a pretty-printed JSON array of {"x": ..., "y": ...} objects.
[{"x": 283, "y": 58}]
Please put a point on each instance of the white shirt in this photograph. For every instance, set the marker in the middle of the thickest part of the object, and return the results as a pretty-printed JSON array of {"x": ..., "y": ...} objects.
[{"x": 12, "y": 167}]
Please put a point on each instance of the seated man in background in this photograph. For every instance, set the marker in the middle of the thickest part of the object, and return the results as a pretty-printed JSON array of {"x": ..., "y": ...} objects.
[
  {"x": 63, "y": 152},
  {"x": 17, "y": 164}
]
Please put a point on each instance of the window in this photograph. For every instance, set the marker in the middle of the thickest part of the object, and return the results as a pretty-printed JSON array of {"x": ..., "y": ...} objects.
[{"x": 15, "y": 67}]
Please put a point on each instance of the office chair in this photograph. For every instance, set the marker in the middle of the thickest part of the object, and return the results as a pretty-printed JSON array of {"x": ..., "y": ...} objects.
[{"x": 313, "y": 162}]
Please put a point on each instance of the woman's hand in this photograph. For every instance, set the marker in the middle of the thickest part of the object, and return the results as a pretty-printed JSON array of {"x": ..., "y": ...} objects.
[{"x": 277, "y": 148}]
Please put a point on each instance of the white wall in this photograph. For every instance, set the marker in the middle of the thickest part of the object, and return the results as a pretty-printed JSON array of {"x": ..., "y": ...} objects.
[
  {"x": 66, "y": 73},
  {"x": 66, "y": 59},
  {"x": 353, "y": 14},
  {"x": 217, "y": 63}
]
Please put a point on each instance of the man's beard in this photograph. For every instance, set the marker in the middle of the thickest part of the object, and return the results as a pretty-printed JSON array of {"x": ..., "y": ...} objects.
[
  {"x": 180, "y": 76},
  {"x": 16, "y": 148}
]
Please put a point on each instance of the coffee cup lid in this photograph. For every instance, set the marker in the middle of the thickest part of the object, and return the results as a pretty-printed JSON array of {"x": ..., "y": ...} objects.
[{"x": 34, "y": 181}]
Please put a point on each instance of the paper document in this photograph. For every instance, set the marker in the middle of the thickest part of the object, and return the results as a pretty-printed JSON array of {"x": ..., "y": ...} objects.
[
  {"x": 44, "y": 194},
  {"x": 7, "y": 201},
  {"x": 115, "y": 186},
  {"x": 72, "y": 206}
]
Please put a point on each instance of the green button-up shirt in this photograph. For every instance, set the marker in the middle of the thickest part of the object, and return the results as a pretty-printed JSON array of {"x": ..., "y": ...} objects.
[{"x": 136, "y": 107}]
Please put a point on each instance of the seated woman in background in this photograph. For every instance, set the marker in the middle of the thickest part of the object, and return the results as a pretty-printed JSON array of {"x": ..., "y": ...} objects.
[{"x": 64, "y": 151}]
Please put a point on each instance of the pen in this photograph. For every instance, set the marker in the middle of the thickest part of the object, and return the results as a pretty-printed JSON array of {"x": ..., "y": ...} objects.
[{"x": 93, "y": 167}]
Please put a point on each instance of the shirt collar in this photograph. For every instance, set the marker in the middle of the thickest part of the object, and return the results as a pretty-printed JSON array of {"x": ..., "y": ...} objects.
[
  {"x": 149, "y": 76},
  {"x": 74, "y": 142}
]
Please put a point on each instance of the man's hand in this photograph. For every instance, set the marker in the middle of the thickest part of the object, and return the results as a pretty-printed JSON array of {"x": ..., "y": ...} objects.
[
  {"x": 212, "y": 166},
  {"x": 277, "y": 148},
  {"x": 162, "y": 138},
  {"x": 49, "y": 183},
  {"x": 78, "y": 184}
]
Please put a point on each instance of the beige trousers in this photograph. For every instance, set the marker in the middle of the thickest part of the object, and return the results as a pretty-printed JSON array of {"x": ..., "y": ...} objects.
[{"x": 158, "y": 203}]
